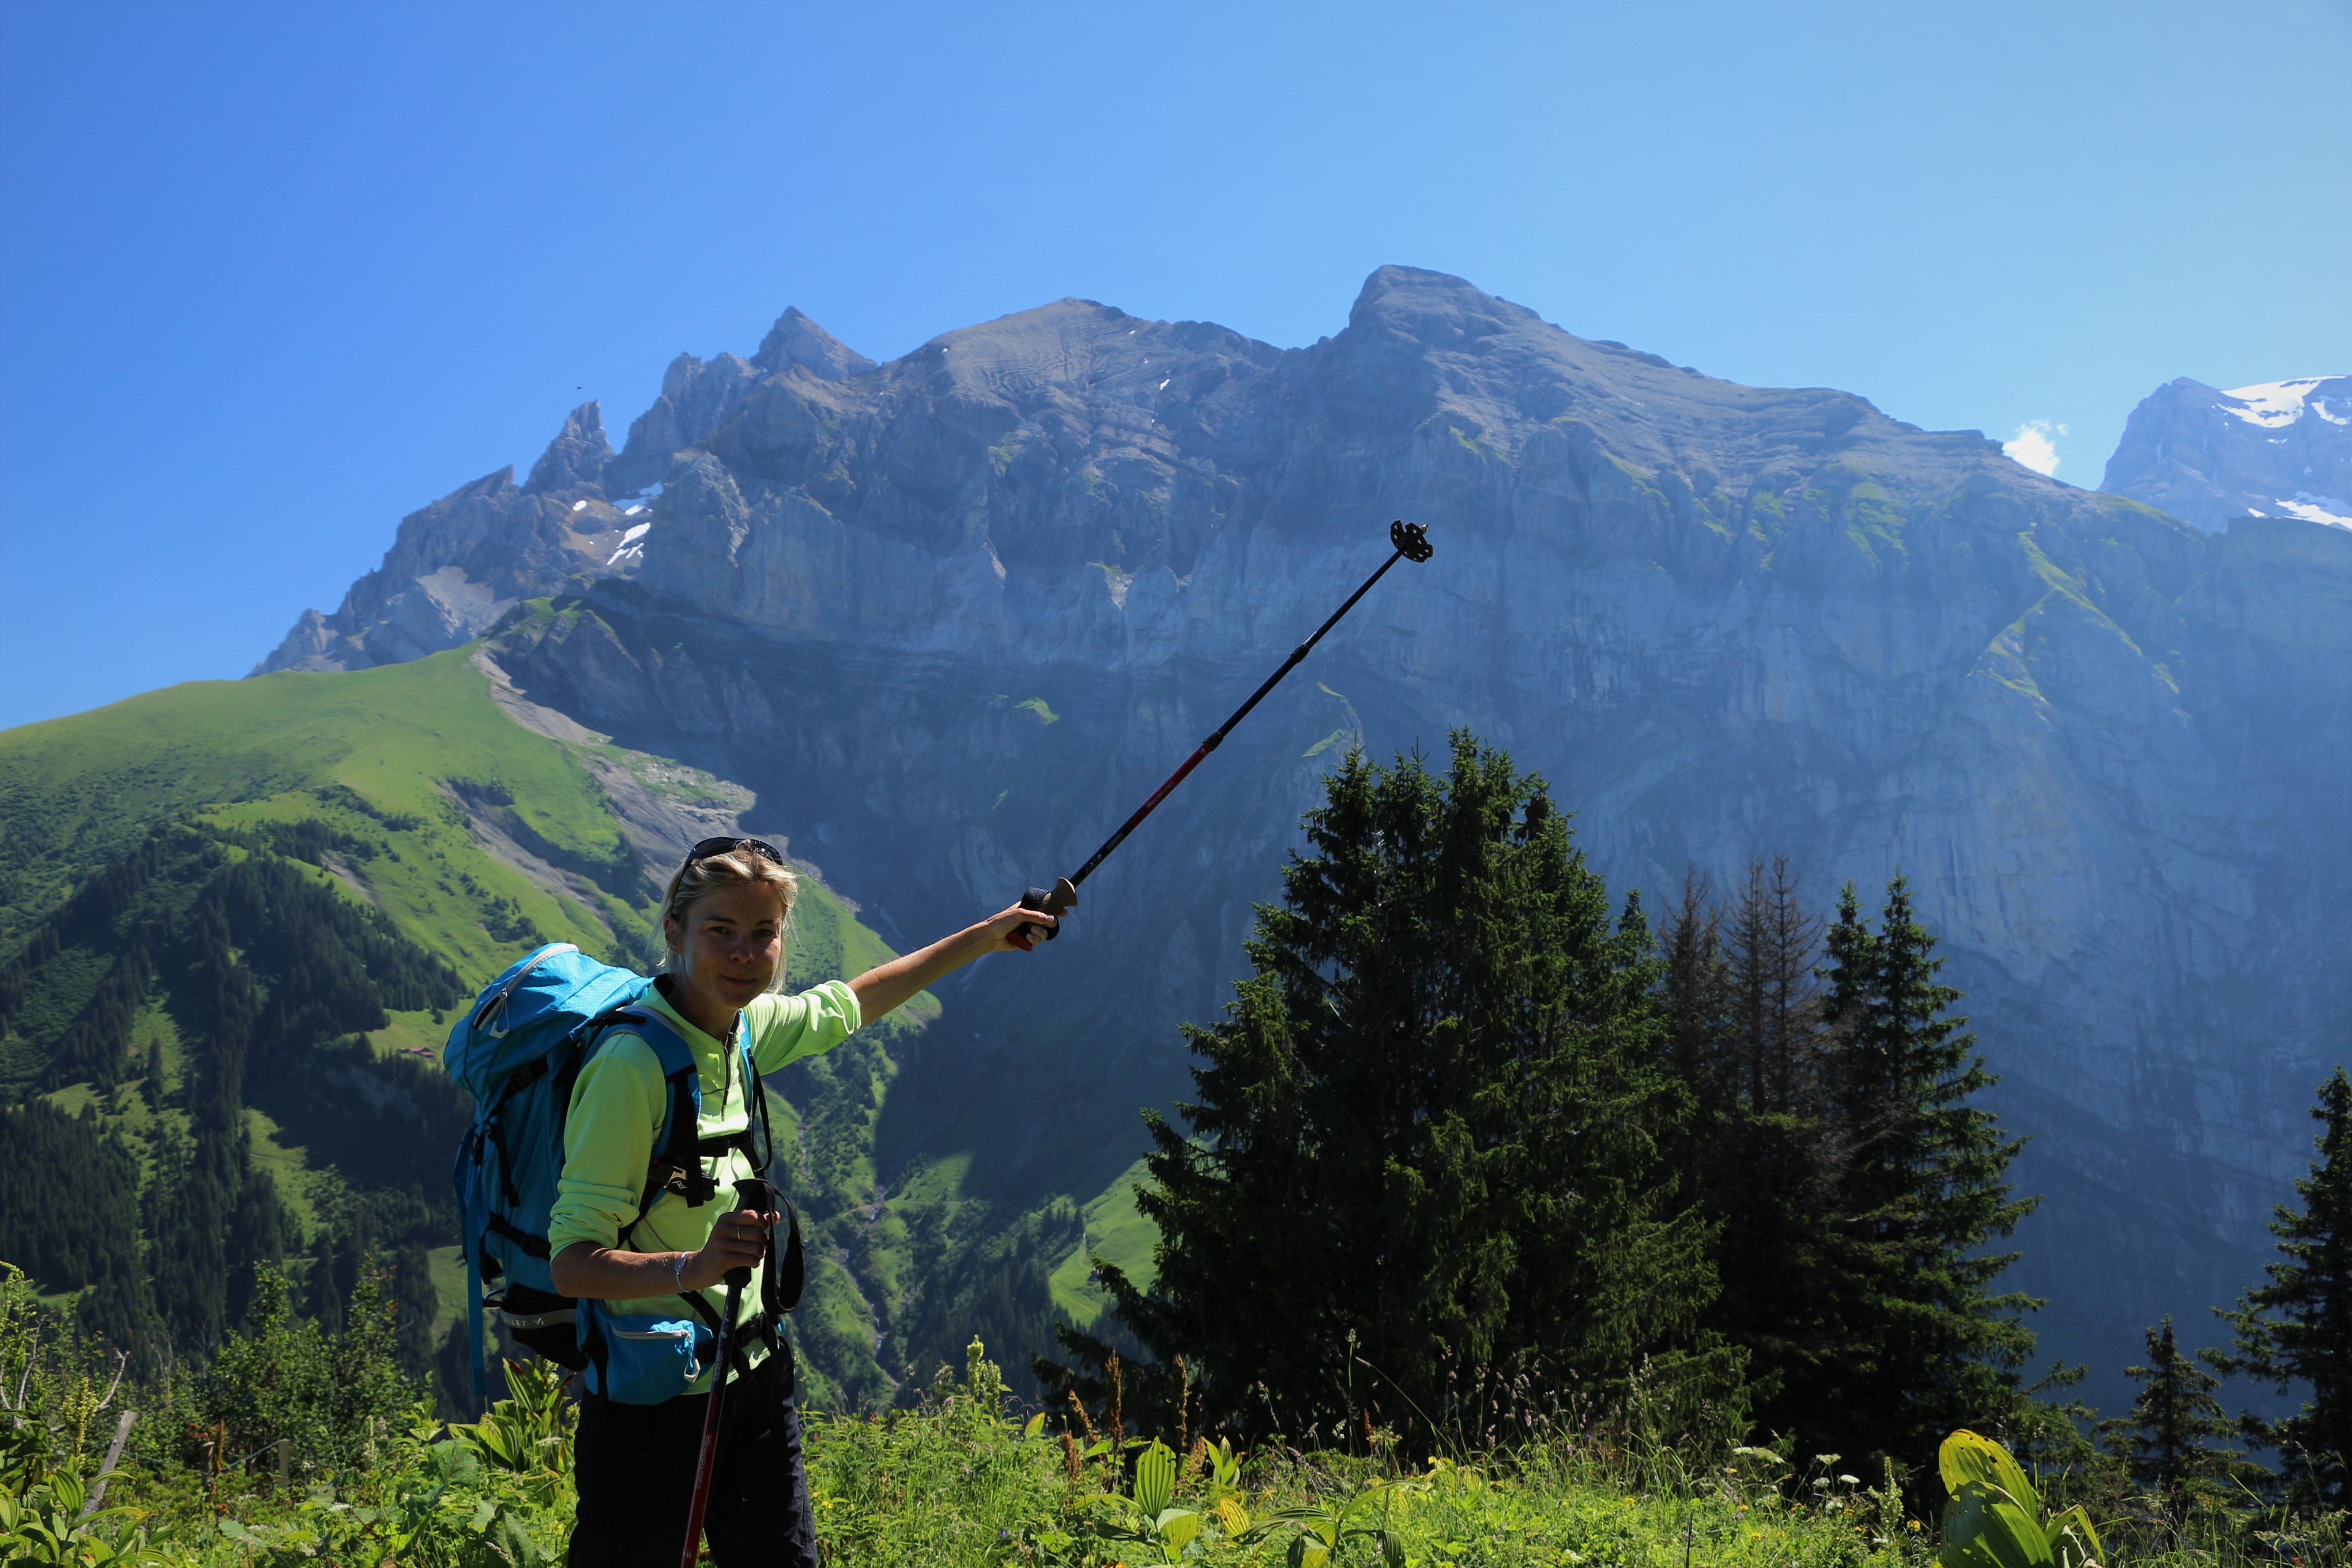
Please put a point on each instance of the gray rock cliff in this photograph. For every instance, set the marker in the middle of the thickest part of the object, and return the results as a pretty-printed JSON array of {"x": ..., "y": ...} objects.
[{"x": 952, "y": 617}]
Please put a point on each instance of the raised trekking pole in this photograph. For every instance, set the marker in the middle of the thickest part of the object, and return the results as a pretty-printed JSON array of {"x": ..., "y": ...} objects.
[
  {"x": 1411, "y": 542},
  {"x": 748, "y": 1195}
]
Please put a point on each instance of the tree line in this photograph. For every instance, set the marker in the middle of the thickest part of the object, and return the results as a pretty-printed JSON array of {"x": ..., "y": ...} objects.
[{"x": 1476, "y": 1141}]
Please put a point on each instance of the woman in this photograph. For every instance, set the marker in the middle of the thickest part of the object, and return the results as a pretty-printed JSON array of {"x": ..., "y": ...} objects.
[{"x": 723, "y": 921}]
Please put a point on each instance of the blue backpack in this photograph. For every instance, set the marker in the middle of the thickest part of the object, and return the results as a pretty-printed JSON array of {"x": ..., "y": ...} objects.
[{"x": 518, "y": 1052}]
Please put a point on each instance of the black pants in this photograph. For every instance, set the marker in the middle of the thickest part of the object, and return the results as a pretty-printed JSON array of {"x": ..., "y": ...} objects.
[{"x": 635, "y": 1468}]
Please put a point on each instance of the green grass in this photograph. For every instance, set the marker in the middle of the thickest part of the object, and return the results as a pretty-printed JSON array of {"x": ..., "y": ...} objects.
[
  {"x": 289, "y": 1168},
  {"x": 284, "y": 747},
  {"x": 448, "y": 1267},
  {"x": 412, "y": 1031},
  {"x": 1336, "y": 738},
  {"x": 1478, "y": 445},
  {"x": 1119, "y": 1233},
  {"x": 75, "y": 1099},
  {"x": 964, "y": 1482}
]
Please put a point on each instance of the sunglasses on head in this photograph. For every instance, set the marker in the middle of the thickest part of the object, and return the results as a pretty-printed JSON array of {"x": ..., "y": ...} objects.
[{"x": 710, "y": 847}]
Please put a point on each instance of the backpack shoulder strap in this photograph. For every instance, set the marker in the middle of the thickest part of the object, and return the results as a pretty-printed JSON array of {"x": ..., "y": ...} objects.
[
  {"x": 668, "y": 1047},
  {"x": 677, "y": 1162}
]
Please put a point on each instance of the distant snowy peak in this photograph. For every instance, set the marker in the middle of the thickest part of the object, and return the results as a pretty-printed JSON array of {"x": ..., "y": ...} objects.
[
  {"x": 2278, "y": 450},
  {"x": 2277, "y": 403}
]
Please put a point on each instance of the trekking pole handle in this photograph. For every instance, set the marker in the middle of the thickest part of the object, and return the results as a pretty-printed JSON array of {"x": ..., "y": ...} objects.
[
  {"x": 1051, "y": 901},
  {"x": 759, "y": 1195}
]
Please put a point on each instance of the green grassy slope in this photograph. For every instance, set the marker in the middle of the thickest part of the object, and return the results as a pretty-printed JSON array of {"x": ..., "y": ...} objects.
[
  {"x": 1116, "y": 1232},
  {"x": 363, "y": 752},
  {"x": 404, "y": 792}
]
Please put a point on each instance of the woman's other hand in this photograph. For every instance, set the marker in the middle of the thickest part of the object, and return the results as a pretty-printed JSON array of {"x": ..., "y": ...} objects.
[{"x": 737, "y": 1241}]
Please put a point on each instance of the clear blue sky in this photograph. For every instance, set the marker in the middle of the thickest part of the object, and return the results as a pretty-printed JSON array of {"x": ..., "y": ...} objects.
[{"x": 275, "y": 274}]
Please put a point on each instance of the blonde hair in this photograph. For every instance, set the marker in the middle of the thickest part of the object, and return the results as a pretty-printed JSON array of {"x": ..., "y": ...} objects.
[{"x": 734, "y": 868}]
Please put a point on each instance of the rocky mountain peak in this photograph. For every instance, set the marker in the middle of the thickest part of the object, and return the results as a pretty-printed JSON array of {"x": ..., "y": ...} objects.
[
  {"x": 1036, "y": 339},
  {"x": 796, "y": 340},
  {"x": 2282, "y": 448},
  {"x": 576, "y": 458},
  {"x": 1434, "y": 309}
]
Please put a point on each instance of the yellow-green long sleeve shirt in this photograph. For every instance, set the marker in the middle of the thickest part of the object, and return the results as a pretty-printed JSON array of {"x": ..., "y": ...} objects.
[{"x": 616, "y": 1113}]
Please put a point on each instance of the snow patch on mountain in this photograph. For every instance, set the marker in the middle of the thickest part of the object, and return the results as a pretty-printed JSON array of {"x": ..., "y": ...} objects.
[
  {"x": 2276, "y": 403},
  {"x": 2314, "y": 508},
  {"x": 630, "y": 544}
]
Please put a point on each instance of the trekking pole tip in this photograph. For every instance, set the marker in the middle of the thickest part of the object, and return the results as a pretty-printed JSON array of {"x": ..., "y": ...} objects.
[{"x": 1412, "y": 539}]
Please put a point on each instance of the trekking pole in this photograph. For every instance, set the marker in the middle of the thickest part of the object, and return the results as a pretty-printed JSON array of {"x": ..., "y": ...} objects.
[
  {"x": 1412, "y": 543},
  {"x": 748, "y": 1194}
]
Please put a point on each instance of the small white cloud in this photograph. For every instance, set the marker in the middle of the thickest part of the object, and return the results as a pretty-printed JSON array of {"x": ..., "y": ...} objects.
[{"x": 2035, "y": 445}]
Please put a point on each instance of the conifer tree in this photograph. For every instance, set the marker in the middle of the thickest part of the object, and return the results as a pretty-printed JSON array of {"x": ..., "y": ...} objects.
[
  {"x": 259, "y": 1236},
  {"x": 339, "y": 1264},
  {"x": 1743, "y": 1017},
  {"x": 2297, "y": 1329},
  {"x": 69, "y": 1213},
  {"x": 1700, "y": 1006},
  {"x": 199, "y": 1177},
  {"x": 2167, "y": 1441},
  {"x": 1923, "y": 1345},
  {"x": 415, "y": 1304},
  {"x": 1427, "y": 1149}
]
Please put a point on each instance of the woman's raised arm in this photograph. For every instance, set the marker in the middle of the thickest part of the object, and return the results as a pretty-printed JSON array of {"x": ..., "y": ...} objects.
[{"x": 887, "y": 985}]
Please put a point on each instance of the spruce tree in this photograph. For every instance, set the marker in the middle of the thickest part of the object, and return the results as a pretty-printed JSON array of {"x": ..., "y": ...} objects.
[
  {"x": 1427, "y": 1151},
  {"x": 1773, "y": 941},
  {"x": 2166, "y": 1440},
  {"x": 2297, "y": 1329},
  {"x": 1923, "y": 1345},
  {"x": 1765, "y": 1152},
  {"x": 1699, "y": 1000}
]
